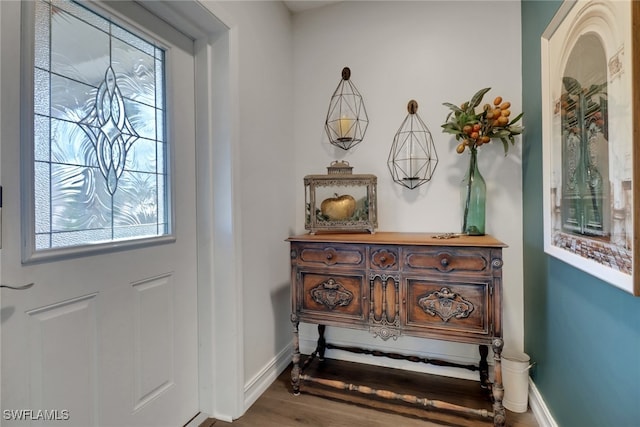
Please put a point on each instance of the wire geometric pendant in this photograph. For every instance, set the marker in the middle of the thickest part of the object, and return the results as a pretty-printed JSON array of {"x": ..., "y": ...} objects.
[
  {"x": 347, "y": 119},
  {"x": 413, "y": 158}
]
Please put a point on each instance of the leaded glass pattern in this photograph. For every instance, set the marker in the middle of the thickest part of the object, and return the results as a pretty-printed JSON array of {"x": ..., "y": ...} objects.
[{"x": 99, "y": 152}]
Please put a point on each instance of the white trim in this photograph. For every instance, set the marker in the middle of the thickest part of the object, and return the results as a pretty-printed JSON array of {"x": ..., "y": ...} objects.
[
  {"x": 197, "y": 420},
  {"x": 539, "y": 407},
  {"x": 0, "y": 194},
  {"x": 220, "y": 290},
  {"x": 267, "y": 375}
]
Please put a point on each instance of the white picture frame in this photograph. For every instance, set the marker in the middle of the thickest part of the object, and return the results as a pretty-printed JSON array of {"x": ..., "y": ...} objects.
[{"x": 590, "y": 102}]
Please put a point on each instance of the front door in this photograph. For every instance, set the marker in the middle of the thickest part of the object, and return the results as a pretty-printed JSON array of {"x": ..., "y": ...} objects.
[{"x": 107, "y": 338}]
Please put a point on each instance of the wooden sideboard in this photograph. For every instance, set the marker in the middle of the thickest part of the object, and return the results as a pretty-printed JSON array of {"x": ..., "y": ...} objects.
[{"x": 393, "y": 284}]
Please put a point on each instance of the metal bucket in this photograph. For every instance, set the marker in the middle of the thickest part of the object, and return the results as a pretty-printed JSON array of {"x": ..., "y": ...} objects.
[{"x": 515, "y": 378}]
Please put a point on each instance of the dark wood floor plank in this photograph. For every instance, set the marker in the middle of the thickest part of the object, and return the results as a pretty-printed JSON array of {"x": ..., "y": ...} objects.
[{"x": 324, "y": 407}]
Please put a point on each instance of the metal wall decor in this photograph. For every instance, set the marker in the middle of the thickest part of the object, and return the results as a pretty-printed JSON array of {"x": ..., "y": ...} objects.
[
  {"x": 347, "y": 118},
  {"x": 413, "y": 158}
]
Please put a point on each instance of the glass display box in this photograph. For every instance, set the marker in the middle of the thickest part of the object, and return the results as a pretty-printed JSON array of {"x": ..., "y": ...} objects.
[{"x": 340, "y": 200}]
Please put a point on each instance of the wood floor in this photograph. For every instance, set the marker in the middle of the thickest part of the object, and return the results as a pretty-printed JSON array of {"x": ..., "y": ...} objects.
[{"x": 322, "y": 407}]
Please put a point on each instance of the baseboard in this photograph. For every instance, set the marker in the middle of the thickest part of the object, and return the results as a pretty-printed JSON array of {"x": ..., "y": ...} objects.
[
  {"x": 254, "y": 388},
  {"x": 200, "y": 420},
  {"x": 539, "y": 407}
]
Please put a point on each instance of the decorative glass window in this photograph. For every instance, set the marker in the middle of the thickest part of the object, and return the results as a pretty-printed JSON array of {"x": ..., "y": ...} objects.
[{"x": 99, "y": 150}]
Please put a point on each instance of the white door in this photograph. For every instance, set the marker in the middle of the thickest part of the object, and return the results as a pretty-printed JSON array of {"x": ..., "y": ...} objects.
[{"x": 108, "y": 339}]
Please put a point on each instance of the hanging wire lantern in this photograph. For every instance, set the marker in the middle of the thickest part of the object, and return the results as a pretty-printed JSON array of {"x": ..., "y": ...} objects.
[
  {"x": 347, "y": 119},
  {"x": 413, "y": 158}
]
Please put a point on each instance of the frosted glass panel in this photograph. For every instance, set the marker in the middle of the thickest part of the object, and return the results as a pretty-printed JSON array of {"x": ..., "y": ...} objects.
[
  {"x": 99, "y": 144},
  {"x": 159, "y": 125},
  {"x": 42, "y": 36},
  {"x": 43, "y": 199},
  {"x": 43, "y": 241},
  {"x": 70, "y": 99},
  {"x": 70, "y": 145},
  {"x": 136, "y": 201},
  {"x": 135, "y": 71},
  {"x": 142, "y": 156},
  {"x": 162, "y": 208},
  {"x": 41, "y": 138},
  {"x": 133, "y": 40},
  {"x": 136, "y": 231},
  {"x": 41, "y": 92},
  {"x": 81, "y": 12},
  {"x": 78, "y": 238},
  {"x": 79, "y": 198},
  {"x": 78, "y": 50},
  {"x": 159, "y": 81},
  {"x": 142, "y": 118}
]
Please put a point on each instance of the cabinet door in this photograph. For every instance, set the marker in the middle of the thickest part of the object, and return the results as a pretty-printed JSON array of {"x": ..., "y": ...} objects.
[
  {"x": 331, "y": 297},
  {"x": 455, "y": 306}
]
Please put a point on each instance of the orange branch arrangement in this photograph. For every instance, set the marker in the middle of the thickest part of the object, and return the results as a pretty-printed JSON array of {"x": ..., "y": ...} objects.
[{"x": 474, "y": 127}]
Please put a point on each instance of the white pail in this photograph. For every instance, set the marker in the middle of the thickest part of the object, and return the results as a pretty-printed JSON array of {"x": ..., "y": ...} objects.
[{"x": 515, "y": 379}]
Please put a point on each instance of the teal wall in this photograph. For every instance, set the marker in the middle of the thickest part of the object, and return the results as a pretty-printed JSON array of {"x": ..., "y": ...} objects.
[{"x": 583, "y": 333}]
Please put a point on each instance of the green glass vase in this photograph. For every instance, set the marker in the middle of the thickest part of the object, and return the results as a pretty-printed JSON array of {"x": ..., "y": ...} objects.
[{"x": 473, "y": 195}]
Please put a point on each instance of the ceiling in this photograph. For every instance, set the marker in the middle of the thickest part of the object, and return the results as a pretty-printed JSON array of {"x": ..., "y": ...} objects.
[{"x": 300, "y": 5}]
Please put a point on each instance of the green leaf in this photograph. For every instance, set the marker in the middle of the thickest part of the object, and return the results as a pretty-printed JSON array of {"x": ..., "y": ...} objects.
[
  {"x": 452, "y": 107},
  {"x": 502, "y": 133},
  {"x": 477, "y": 98},
  {"x": 518, "y": 117},
  {"x": 515, "y": 130},
  {"x": 451, "y": 130},
  {"x": 448, "y": 116},
  {"x": 505, "y": 145}
]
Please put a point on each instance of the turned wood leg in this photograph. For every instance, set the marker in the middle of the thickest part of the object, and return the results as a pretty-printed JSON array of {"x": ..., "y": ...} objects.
[
  {"x": 322, "y": 343},
  {"x": 483, "y": 367},
  {"x": 295, "y": 369},
  {"x": 498, "y": 391}
]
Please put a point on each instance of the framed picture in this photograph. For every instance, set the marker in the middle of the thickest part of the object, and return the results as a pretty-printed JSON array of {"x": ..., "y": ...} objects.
[{"x": 591, "y": 161}]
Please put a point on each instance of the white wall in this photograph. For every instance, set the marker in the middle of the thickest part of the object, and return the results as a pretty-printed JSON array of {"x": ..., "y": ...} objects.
[
  {"x": 433, "y": 52},
  {"x": 286, "y": 71},
  {"x": 266, "y": 187}
]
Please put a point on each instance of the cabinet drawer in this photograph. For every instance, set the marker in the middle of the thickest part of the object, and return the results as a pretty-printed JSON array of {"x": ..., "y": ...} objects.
[
  {"x": 384, "y": 258},
  {"x": 460, "y": 306},
  {"x": 329, "y": 255},
  {"x": 445, "y": 260},
  {"x": 337, "y": 296}
]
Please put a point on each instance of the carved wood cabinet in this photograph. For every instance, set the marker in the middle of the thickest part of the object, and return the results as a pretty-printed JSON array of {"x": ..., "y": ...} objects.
[{"x": 393, "y": 284}]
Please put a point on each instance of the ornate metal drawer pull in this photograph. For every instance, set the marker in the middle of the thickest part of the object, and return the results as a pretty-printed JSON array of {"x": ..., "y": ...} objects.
[
  {"x": 331, "y": 294},
  {"x": 446, "y": 304}
]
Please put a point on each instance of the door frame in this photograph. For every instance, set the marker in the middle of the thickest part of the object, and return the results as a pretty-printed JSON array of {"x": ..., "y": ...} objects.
[
  {"x": 220, "y": 320},
  {"x": 219, "y": 287}
]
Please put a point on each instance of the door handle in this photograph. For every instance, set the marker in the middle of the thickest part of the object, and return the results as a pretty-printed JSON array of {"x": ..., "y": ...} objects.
[{"x": 18, "y": 288}]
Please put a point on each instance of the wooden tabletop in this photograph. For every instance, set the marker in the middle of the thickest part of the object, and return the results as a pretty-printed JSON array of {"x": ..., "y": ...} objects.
[{"x": 402, "y": 238}]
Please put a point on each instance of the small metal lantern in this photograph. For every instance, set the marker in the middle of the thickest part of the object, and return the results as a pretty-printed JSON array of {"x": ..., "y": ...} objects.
[
  {"x": 347, "y": 119},
  {"x": 340, "y": 200},
  {"x": 413, "y": 157}
]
